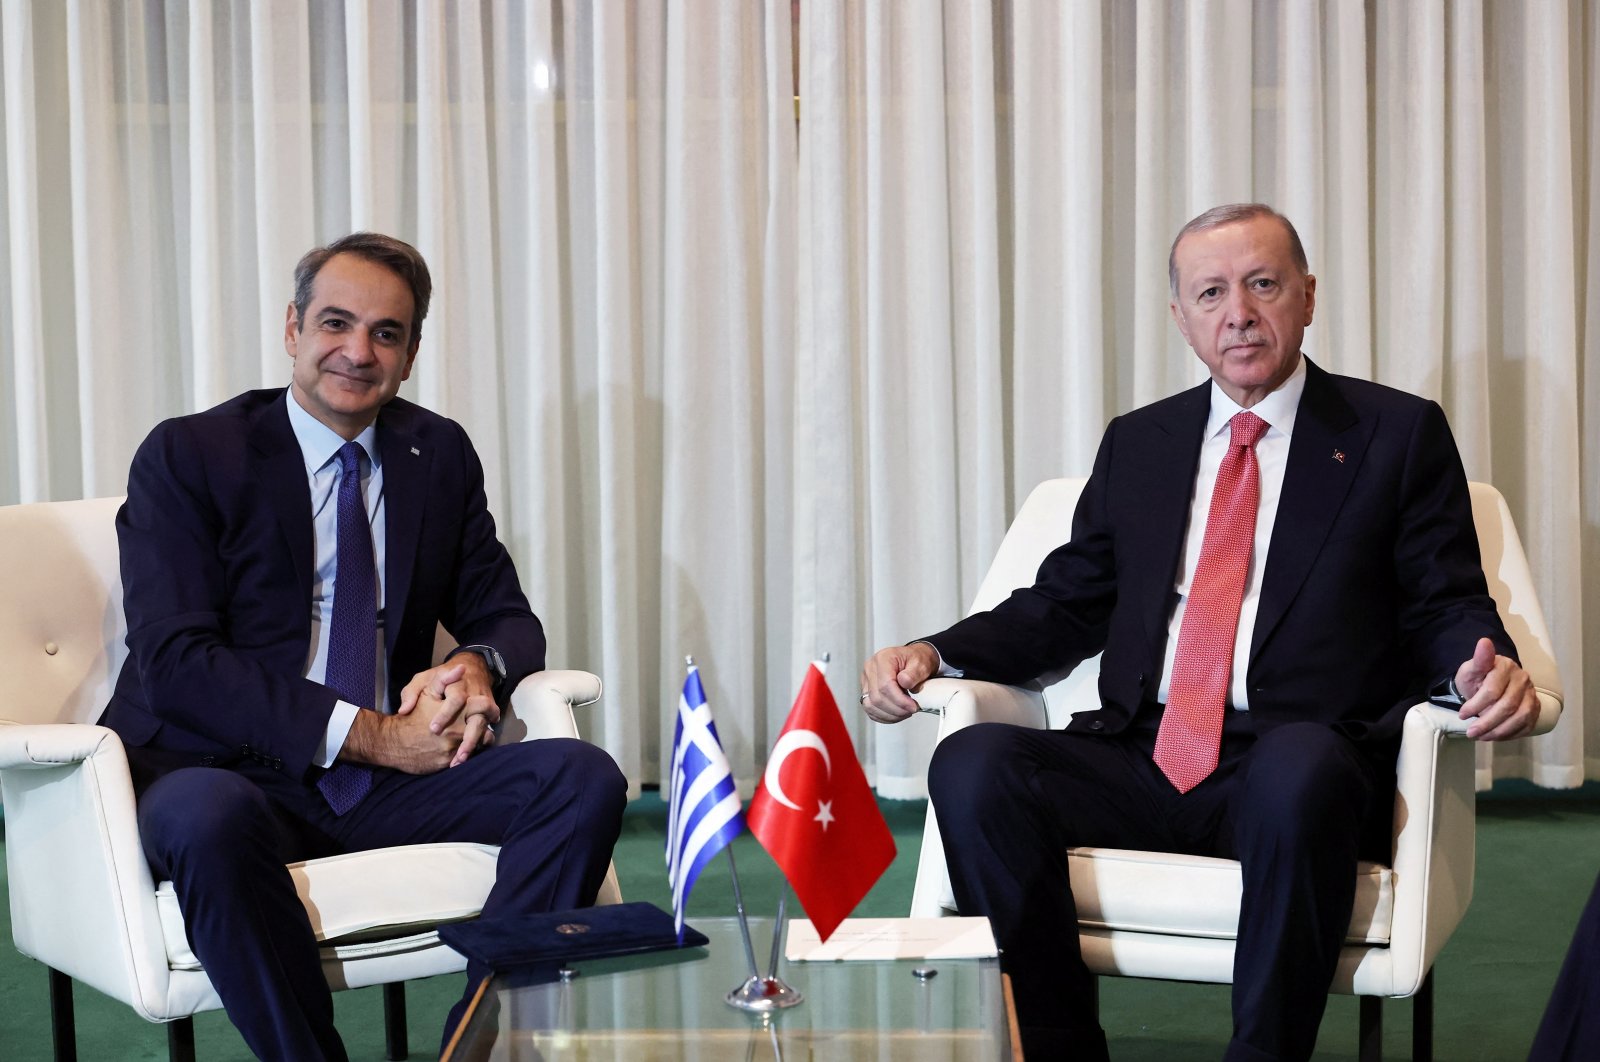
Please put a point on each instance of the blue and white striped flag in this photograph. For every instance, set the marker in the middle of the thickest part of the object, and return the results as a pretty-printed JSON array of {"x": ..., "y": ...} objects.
[{"x": 704, "y": 814}]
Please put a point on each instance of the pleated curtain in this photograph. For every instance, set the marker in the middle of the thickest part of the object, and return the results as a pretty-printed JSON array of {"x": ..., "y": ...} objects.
[
  {"x": 766, "y": 316},
  {"x": 999, "y": 183}
]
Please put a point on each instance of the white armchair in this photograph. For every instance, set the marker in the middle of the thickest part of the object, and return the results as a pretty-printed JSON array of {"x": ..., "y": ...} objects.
[
  {"x": 83, "y": 900},
  {"x": 1174, "y": 917}
]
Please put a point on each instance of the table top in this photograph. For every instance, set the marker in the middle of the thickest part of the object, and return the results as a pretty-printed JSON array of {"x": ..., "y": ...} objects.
[{"x": 671, "y": 1005}]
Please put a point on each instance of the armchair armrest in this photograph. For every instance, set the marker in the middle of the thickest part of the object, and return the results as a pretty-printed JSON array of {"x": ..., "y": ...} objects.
[
  {"x": 1449, "y": 722},
  {"x": 1435, "y": 835},
  {"x": 25, "y": 746},
  {"x": 962, "y": 702},
  {"x": 541, "y": 707},
  {"x": 959, "y": 703},
  {"x": 542, "y": 703},
  {"x": 73, "y": 855}
]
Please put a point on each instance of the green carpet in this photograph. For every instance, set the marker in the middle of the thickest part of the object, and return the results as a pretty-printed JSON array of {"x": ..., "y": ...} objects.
[{"x": 1538, "y": 854}]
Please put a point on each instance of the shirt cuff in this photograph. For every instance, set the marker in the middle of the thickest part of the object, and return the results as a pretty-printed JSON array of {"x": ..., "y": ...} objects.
[
  {"x": 339, "y": 724},
  {"x": 944, "y": 670}
]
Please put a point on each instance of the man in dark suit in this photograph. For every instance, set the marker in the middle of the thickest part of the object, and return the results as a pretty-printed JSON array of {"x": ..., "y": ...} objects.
[
  {"x": 286, "y": 558},
  {"x": 1276, "y": 564}
]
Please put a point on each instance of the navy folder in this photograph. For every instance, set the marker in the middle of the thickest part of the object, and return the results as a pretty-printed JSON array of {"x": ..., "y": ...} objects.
[{"x": 564, "y": 936}]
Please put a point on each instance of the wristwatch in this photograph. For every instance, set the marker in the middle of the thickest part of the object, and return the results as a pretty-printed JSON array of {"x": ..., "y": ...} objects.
[
  {"x": 1445, "y": 694},
  {"x": 491, "y": 657}
]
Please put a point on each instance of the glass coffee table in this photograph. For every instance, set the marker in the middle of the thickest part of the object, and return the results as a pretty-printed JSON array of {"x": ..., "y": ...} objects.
[{"x": 670, "y": 1006}]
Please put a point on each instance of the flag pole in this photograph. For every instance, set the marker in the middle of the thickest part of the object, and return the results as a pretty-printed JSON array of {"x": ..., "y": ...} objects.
[
  {"x": 738, "y": 895},
  {"x": 762, "y": 995},
  {"x": 696, "y": 833},
  {"x": 777, "y": 928},
  {"x": 769, "y": 993},
  {"x": 783, "y": 888},
  {"x": 744, "y": 923},
  {"x": 800, "y": 797}
]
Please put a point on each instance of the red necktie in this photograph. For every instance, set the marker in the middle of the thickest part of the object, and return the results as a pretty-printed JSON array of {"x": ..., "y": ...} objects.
[{"x": 1191, "y": 728}]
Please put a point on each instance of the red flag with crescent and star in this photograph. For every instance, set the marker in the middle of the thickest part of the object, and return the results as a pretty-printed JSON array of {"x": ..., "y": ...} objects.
[{"x": 815, "y": 814}]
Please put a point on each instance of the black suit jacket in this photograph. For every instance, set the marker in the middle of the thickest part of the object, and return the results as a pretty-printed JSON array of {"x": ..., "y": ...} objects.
[
  {"x": 217, "y": 562},
  {"x": 1373, "y": 589}
]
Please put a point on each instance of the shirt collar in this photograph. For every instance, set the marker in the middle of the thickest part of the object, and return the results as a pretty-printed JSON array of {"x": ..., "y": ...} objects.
[
  {"x": 1278, "y": 409},
  {"x": 319, "y": 443}
]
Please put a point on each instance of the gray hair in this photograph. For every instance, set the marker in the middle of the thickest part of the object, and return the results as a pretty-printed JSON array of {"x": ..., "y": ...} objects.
[
  {"x": 397, "y": 256},
  {"x": 1219, "y": 216}
]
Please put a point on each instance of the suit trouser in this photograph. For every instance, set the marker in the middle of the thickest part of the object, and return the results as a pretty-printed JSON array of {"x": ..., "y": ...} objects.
[
  {"x": 223, "y": 835},
  {"x": 1294, "y": 806},
  {"x": 1570, "y": 1029}
]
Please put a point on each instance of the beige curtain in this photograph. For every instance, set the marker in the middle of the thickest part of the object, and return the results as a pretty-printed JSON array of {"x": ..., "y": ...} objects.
[
  {"x": 757, "y": 395},
  {"x": 988, "y": 191},
  {"x": 605, "y": 194}
]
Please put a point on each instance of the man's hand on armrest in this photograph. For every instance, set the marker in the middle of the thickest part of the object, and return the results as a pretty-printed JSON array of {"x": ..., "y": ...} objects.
[
  {"x": 890, "y": 673},
  {"x": 1500, "y": 698}
]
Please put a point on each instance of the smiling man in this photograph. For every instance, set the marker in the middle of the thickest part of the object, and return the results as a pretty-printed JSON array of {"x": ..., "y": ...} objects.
[
  {"x": 1276, "y": 565},
  {"x": 286, "y": 559}
]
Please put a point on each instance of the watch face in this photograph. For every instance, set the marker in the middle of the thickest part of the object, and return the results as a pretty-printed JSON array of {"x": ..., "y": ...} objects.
[
  {"x": 497, "y": 664},
  {"x": 491, "y": 659}
]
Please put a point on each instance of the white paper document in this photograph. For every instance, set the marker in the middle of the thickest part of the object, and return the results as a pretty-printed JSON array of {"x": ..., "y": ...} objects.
[{"x": 892, "y": 938}]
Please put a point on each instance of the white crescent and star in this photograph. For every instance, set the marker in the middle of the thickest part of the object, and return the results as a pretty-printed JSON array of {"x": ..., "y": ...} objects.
[{"x": 793, "y": 741}]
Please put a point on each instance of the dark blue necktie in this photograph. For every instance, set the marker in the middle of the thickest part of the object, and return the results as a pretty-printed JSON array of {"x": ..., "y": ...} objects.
[{"x": 352, "y": 634}]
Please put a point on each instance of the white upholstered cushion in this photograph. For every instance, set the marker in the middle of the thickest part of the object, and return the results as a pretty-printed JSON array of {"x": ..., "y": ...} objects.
[
  {"x": 370, "y": 903},
  {"x": 1197, "y": 896}
]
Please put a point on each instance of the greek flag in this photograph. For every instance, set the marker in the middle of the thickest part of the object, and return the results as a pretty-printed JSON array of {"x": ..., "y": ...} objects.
[{"x": 704, "y": 814}]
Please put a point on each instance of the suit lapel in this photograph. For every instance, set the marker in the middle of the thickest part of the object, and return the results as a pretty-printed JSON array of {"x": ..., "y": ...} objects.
[
  {"x": 1172, "y": 453},
  {"x": 1330, "y": 441},
  {"x": 283, "y": 474},
  {"x": 405, "y": 478}
]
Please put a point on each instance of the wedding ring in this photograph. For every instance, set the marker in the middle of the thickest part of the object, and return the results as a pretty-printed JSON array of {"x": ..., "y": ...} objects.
[{"x": 864, "y": 697}]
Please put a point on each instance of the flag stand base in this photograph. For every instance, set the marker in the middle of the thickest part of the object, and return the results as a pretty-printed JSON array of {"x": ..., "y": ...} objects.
[{"x": 763, "y": 995}]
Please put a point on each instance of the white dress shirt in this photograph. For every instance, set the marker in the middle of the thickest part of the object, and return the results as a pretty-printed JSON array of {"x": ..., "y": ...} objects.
[
  {"x": 319, "y": 446},
  {"x": 1278, "y": 409}
]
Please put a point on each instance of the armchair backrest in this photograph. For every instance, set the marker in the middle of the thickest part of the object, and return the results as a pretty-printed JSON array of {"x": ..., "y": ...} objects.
[
  {"x": 1505, "y": 566},
  {"x": 1045, "y": 522},
  {"x": 62, "y": 634}
]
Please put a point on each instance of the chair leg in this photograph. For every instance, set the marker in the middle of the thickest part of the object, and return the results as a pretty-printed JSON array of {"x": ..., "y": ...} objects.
[
  {"x": 394, "y": 1020},
  {"x": 63, "y": 1034},
  {"x": 1371, "y": 1046},
  {"x": 180, "y": 1040},
  {"x": 1422, "y": 1021}
]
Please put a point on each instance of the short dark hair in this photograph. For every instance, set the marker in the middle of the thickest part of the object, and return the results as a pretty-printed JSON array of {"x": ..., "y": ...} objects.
[
  {"x": 397, "y": 256},
  {"x": 1218, "y": 216}
]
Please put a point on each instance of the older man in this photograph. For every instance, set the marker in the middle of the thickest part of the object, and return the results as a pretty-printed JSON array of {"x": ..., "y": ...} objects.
[
  {"x": 286, "y": 558},
  {"x": 1275, "y": 564}
]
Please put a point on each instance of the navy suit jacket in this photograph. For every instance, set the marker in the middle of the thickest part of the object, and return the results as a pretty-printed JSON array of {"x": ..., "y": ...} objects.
[
  {"x": 217, "y": 559},
  {"x": 1373, "y": 589}
]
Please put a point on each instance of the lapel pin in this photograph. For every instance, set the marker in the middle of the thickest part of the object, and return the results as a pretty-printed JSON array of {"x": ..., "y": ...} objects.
[
  {"x": 419, "y": 453},
  {"x": 1338, "y": 455}
]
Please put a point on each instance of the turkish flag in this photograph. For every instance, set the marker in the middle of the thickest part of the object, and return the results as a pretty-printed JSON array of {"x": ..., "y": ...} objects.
[{"x": 815, "y": 814}]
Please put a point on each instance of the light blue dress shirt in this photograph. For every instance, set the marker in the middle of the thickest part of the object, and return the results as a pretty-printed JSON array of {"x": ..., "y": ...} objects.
[{"x": 319, "y": 446}]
